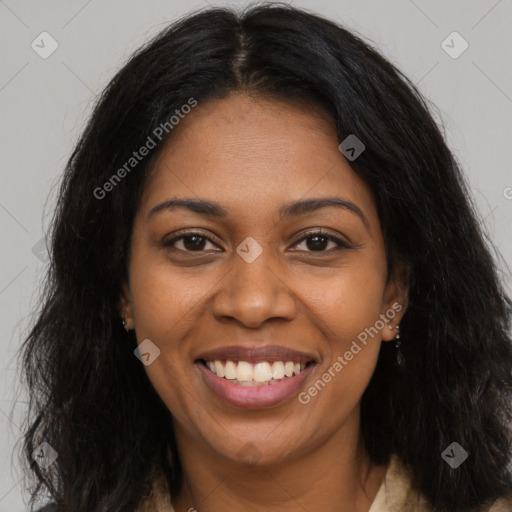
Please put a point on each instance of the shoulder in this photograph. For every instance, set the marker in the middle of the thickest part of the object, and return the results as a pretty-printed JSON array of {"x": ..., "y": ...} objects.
[{"x": 398, "y": 493}]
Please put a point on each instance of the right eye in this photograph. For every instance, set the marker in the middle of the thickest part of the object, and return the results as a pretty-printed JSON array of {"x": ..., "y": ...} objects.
[{"x": 191, "y": 241}]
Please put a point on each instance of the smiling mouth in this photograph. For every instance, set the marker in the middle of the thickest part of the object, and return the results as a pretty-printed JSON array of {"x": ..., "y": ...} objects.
[{"x": 264, "y": 373}]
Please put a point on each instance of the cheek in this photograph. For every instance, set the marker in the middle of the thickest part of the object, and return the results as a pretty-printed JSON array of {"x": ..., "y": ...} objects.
[
  {"x": 163, "y": 309},
  {"x": 348, "y": 312},
  {"x": 163, "y": 298},
  {"x": 350, "y": 302}
]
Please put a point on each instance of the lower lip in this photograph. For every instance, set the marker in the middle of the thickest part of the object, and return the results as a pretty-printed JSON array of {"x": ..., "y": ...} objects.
[{"x": 253, "y": 396}]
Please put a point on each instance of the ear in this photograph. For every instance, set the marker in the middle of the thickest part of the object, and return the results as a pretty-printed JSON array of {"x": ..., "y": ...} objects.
[
  {"x": 126, "y": 306},
  {"x": 396, "y": 300}
]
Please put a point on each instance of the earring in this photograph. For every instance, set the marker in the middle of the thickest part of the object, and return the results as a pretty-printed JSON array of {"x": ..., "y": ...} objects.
[
  {"x": 400, "y": 360},
  {"x": 125, "y": 325}
]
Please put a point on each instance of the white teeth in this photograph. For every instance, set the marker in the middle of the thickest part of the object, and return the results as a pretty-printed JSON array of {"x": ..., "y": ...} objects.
[
  {"x": 219, "y": 368},
  {"x": 244, "y": 371},
  {"x": 262, "y": 372},
  {"x": 230, "y": 370},
  {"x": 258, "y": 374},
  {"x": 278, "y": 370},
  {"x": 288, "y": 368}
]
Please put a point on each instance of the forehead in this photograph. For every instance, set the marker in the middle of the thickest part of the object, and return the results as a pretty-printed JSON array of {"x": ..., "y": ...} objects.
[{"x": 254, "y": 154}]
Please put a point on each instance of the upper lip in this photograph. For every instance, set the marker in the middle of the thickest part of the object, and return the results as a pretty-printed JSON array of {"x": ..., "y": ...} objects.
[{"x": 255, "y": 354}]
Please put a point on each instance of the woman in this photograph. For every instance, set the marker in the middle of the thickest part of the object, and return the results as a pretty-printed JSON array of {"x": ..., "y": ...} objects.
[{"x": 268, "y": 289}]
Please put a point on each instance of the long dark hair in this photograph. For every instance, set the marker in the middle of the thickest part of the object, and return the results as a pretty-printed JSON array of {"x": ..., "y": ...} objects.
[{"x": 91, "y": 400}]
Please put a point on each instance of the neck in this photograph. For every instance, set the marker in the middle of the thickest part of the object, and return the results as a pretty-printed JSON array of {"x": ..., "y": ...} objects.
[{"x": 337, "y": 475}]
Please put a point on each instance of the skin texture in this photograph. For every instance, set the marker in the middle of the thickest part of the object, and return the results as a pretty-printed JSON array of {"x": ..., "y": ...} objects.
[{"x": 252, "y": 155}]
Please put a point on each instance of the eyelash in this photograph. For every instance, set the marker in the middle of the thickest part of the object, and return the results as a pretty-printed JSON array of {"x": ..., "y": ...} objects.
[{"x": 319, "y": 232}]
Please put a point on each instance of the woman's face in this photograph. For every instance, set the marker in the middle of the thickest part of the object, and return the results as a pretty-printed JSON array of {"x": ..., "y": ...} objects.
[{"x": 247, "y": 283}]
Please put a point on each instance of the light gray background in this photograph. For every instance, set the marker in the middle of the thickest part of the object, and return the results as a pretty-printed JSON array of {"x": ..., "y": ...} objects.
[{"x": 44, "y": 104}]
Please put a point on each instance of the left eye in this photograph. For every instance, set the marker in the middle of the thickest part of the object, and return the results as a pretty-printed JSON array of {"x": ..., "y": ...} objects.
[{"x": 319, "y": 240}]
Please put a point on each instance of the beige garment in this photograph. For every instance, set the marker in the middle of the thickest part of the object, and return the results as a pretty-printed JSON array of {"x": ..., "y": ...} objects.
[{"x": 395, "y": 494}]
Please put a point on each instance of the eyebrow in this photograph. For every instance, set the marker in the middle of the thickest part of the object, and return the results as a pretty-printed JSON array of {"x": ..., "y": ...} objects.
[{"x": 292, "y": 209}]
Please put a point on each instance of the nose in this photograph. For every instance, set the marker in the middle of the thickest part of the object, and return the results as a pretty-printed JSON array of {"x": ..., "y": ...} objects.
[{"x": 252, "y": 293}]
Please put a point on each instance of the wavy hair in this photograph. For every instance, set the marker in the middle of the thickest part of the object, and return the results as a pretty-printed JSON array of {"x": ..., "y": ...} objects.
[{"x": 90, "y": 398}]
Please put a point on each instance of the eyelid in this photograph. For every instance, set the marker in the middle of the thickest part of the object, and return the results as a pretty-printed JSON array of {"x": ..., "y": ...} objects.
[{"x": 190, "y": 232}]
